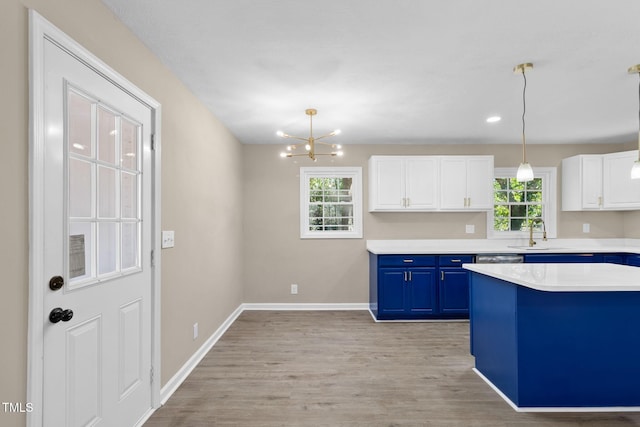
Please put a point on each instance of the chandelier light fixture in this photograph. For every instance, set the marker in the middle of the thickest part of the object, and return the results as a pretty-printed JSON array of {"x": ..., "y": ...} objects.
[
  {"x": 525, "y": 172},
  {"x": 310, "y": 143},
  {"x": 635, "y": 169}
]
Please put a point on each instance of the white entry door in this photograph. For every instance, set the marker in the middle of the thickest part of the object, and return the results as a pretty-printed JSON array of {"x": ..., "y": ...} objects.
[{"x": 97, "y": 248}]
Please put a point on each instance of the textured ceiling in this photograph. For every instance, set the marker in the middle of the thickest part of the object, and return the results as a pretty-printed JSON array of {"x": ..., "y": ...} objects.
[{"x": 403, "y": 71}]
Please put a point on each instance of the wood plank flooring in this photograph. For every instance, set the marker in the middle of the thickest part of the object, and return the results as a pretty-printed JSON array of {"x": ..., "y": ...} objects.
[{"x": 339, "y": 368}]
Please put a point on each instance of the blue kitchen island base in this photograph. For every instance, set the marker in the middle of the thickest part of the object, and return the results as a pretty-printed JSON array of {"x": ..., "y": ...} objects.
[{"x": 557, "y": 351}]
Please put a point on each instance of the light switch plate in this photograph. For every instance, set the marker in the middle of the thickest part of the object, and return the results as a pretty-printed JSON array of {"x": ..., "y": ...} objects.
[
  {"x": 168, "y": 240},
  {"x": 586, "y": 228},
  {"x": 470, "y": 228}
]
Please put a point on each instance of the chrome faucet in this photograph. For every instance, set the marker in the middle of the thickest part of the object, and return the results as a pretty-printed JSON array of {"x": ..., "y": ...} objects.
[{"x": 544, "y": 230}]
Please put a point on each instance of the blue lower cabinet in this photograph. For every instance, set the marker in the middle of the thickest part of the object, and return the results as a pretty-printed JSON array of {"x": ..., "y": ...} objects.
[
  {"x": 454, "y": 291},
  {"x": 414, "y": 287},
  {"x": 406, "y": 293},
  {"x": 633, "y": 260},
  {"x": 559, "y": 258}
]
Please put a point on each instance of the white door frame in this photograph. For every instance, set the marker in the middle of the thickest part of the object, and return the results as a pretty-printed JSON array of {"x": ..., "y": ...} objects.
[{"x": 40, "y": 30}]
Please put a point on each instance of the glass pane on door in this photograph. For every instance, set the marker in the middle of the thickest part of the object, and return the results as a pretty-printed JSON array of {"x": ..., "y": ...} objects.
[
  {"x": 80, "y": 188},
  {"x": 107, "y": 133},
  {"x": 79, "y": 110},
  {"x": 81, "y": 251},
  {"x": 107, "y": 200},
  {"x": 129, "y": 195},
  {"x": 107, "y": 248},
  {"x": 129, "y": 243},
  {"x": 129, "y": 144}
]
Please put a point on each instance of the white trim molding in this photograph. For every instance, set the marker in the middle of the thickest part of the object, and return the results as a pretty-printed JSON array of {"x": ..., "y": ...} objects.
[
  {"x": 308, "y": 173},
  {"x": 306, "y": 306},
  {"x": 172, "y": 385}
]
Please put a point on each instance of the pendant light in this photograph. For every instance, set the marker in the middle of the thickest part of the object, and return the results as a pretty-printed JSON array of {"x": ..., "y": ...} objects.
[
  {"x": 635, "y": 169},
  {"x": 525, "y": 172}
]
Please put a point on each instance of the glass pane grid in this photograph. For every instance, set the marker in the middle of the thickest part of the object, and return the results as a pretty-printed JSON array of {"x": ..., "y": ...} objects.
[
  {"x": 330, "y": 204},
  {"x": 104, "y": 192},
  {"x": 516, "y": 204}
]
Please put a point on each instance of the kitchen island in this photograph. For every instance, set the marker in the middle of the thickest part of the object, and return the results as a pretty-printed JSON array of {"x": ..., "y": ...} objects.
[{"x": 558, "y": 337}]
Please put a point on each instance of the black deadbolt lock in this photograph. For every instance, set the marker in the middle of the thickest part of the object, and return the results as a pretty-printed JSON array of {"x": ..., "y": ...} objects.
[{"x": 56, "y": 283}]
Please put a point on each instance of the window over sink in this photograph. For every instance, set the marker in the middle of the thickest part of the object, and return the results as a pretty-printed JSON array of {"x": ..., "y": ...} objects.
[{"x": 516, "y": 204}]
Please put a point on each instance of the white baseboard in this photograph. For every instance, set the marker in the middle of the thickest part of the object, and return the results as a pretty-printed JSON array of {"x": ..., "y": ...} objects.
[
  {"x": 306, "y": 306},
  {"x": 555, "y": 408},
  {"x": 172, "y": 385}
]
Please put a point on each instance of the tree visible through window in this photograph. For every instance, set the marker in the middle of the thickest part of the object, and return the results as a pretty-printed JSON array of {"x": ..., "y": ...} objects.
[
  {"x": 517, "y": 203},
  {"x": 330, "y": 202}
]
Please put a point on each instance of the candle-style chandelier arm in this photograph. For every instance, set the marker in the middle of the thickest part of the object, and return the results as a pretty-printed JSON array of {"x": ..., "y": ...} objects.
[
  {"x": 334, "y": 133},
  {"x": 286, "y": 135}
]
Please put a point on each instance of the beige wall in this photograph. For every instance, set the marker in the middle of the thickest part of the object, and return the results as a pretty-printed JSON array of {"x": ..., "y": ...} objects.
[
  {"x": 201, "y": 190},
  {"x": 335, "y": 270}
]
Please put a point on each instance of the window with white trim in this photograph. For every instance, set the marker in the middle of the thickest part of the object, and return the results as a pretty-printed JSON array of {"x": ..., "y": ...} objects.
[
  {"x": 330, "y": 202},
  {"x": 516, "y": 204}
]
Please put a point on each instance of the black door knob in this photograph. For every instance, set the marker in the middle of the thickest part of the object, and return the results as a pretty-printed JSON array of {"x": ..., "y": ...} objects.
[{"x": 58, "y": 314}]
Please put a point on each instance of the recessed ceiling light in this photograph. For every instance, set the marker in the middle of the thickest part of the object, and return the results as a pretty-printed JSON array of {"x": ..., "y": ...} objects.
[{"x": 493, "y": 119}]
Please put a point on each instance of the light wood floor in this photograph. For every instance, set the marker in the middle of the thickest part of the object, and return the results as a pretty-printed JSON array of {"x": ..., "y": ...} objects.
[{"x": 339, "y": 368}]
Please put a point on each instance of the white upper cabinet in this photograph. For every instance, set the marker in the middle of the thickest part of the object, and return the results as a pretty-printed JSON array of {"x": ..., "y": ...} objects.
[
  {"x": 619, "y": 190},
  {"x": 403, "y": 183},
  {"x": 421, "y": 183},
  {"x": 582, "y": 182},
  {"x": 430, "y": 183},
  {"x": 600, "y": 182},
  {"x": 466, "y": 183}
]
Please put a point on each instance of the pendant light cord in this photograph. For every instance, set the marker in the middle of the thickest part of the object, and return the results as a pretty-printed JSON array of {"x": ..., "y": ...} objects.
[
  {"x": 524, "y": 110},
  {"x": 638, "y": 117}
]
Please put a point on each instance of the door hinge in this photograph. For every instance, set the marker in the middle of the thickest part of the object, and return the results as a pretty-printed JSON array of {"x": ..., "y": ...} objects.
[
  {"x": 151, "y": 375},
  {"x": 153, "y": 258},
  {"x": 153, "y": 141}
]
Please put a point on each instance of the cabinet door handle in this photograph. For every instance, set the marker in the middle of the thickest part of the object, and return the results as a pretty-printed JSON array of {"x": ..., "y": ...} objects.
[
  {"x": 408, "y": 202},
  {"x": 599, "y": 200},
  {"x": 442, "y": 276},
  {"x": 409, "y": 276},
  {"x": 469, "y": 202},
  {"x": 405, "y": 276}
]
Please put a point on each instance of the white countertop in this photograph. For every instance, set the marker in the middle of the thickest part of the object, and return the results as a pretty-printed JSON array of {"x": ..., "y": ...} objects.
[
  {"x": 502, "y": 246},
  {"x": 590, "y": 277}
]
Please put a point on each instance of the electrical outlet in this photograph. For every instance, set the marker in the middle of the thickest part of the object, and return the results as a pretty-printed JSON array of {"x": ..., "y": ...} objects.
[
  {"x": 470, "y": 228},
  {"x": 294, "y": 289},
  {"x": 195, "y": 330},
  {"x": 586, "y": 228}
]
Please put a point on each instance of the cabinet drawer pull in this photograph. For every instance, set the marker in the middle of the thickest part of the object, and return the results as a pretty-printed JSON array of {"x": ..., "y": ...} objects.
[
  {"x": 456, "y": 260},
  {"x": 407, "y": 260}
]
